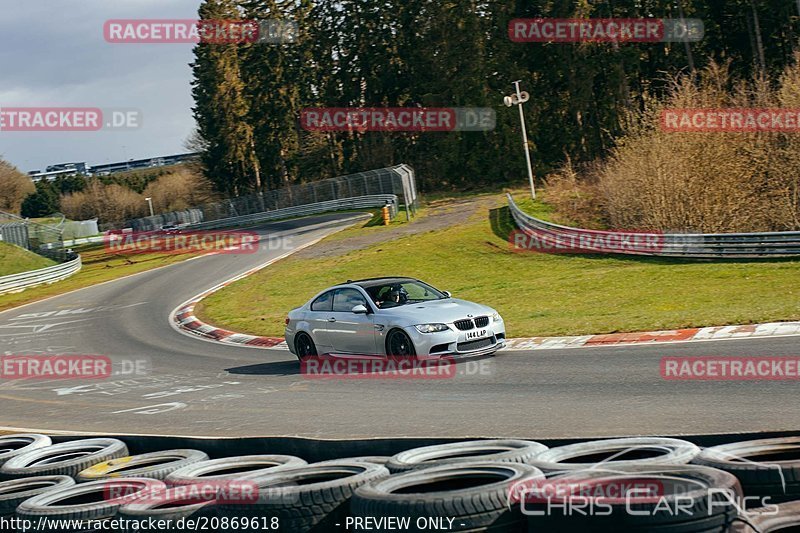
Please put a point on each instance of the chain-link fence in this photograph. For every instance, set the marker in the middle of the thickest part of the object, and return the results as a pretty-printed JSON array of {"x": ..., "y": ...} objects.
[
  {"x": 42, "y": 238},
  {"x": 398, "y": 181}
]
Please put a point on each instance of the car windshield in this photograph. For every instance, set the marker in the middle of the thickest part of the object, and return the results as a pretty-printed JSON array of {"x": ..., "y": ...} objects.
[{"x": 397, "y": 293}]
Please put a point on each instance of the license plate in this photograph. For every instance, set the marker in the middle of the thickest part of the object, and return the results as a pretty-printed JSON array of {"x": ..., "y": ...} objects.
[{"x": 479, "y": 334}]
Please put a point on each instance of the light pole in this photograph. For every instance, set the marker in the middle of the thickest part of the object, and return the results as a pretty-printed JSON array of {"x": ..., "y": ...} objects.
[
  {"x": 519, "y": 98},
  {"x": 150, "y": 203}
]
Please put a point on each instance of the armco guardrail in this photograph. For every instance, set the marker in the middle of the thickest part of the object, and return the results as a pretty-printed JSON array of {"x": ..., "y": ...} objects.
[
  {"x": 689, "y": 245},
  {"x": 18, "y": 282},
  {"x": 358, "y": 202},
  {"x": 398, "y": 180}
]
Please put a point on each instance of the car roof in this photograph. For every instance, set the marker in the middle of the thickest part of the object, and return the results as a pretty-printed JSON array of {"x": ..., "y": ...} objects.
[{"x": 372, "y": 282}]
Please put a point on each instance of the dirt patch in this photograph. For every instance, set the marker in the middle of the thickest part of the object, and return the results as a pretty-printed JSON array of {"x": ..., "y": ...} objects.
[{"x": 439, "y": 215}]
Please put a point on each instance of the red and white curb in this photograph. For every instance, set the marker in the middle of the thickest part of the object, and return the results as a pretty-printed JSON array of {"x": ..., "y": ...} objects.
[
  {"x": 772, "y": 329},
  {"x": 189, "y": 322},
  {"x": 184, "y": 320}
]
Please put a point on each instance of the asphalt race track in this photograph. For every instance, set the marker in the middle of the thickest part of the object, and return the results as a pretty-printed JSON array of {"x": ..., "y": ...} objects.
[{"x": 196, "y": 387}]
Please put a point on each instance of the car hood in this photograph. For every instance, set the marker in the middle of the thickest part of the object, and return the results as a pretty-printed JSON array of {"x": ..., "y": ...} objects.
[{"x": 436, "y": 311}]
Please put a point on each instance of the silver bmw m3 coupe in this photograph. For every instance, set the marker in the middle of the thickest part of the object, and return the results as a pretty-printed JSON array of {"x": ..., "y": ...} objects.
[{"x": 392, "y": 316}]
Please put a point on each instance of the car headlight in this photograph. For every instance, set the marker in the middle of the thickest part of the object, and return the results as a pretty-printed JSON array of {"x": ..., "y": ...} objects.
[
  {"x": 431, "y": 328},
  {"x": 496, "y": 317}
]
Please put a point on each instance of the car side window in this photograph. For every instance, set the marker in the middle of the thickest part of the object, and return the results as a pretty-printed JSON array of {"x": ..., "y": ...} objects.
[
  {"x": 323, "y": 302},
  {"x": 346, "y": 299}
]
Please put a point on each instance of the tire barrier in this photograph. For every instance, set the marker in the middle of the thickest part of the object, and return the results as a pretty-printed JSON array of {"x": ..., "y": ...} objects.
[
  {"x": 16, "y": 491},
  {"x": 66, "y": 458},
  {"x": 93, "y": 501},
  {"x": 784, "y": 517},
  {"x": 641, "y": 484},
  {"x": 545, "y": 236},
  {"x": 13, "y": 445},
  {"x": 472, "y": 495},
  {"x": 171, "y": 506},
  {"x": 375, "y": 459},
  {"x": 155, "y": 465},
  {"x": 765, "y": 467},
  {"x": 517, "y": 451},
  {"x": 313, "y": 497},
  {"x": 696, "y": 496},
  {"x": 232, "y": 468},
  {"x": 615, "y": 453}
]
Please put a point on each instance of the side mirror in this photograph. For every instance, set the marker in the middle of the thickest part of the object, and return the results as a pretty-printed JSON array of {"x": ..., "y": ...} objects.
[
  {"x": 360, "y": 309},
  {"x": 447, "y": 293}
]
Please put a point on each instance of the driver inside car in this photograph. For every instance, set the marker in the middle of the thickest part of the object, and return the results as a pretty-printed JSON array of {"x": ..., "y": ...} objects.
[{"x": 395, "y": 296}]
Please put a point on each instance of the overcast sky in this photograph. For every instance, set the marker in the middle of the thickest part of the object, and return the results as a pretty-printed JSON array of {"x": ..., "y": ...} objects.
[{"x": 53, "y": 54}]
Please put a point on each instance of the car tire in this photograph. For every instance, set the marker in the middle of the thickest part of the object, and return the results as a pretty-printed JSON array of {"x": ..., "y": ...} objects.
[
  {"x": 778, "y": 480},
  {"x": 702, "y": 495},
  {"x": 304, "y": 345},
  {"x": 97, "y": 499},
  {"x": 168, "y": 506},
  {"x": 476, "y": 495},
  {"x": 65, "y": 458},
  {"x": 564, "y": 458},
  {"x": 16, "y": 491},
  {"x": 17, "y": 444},
  {"x": 155, "y": 465},
  {"x": 315, "y": 497},
  {"x": 398, "y": 344},
  {"x": 784, "y": 517},
  {"x": 496, "y": 450},
  {"x": 232, "y": 468},
  {"x": 374, "y": 459}
]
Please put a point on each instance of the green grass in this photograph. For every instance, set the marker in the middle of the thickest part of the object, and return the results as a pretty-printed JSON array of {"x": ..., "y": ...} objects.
[
  {"x": 14, "y": 260},
  {"x": 537, "y": 294},
  {"x": 98, "y": 267}
]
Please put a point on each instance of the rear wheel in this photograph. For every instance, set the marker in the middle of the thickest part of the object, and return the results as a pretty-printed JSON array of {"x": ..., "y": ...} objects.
[
  {"x": 304, "y": 346},
  {"x": 398, "y": 344}
]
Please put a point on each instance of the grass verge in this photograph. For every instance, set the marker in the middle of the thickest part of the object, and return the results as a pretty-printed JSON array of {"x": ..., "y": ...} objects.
[
  {"x": 98, "y": 266},
  {"x": 537, "y": 294},
  {"x": 14, "y": 260}
]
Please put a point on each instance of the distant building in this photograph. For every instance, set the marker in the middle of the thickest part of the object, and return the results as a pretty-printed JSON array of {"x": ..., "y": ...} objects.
[
  {"x": 77, "y": 168},
  {"x": 70, "y": 169}
]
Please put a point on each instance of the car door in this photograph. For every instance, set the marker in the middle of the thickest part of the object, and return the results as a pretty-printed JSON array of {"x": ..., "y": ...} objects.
[
  {"x": 318, "y": 318},
  {"x": 351, "y": 332}
]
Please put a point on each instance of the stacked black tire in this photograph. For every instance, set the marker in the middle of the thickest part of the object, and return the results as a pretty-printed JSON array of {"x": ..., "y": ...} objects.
[{"x": 487, "y": 485}]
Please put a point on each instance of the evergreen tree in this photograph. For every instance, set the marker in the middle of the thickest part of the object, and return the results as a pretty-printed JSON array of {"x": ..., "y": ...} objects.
[
  {"x": 43, "y": 202},
  {"x": 221, "y": 109}
]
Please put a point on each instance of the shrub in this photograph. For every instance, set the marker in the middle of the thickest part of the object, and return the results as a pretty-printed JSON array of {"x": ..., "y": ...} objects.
[
  {"x": 690, "y": 181},
  {"x": 14, "y": 187}
]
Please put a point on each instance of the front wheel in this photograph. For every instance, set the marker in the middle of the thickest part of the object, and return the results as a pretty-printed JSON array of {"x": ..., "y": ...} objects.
[
  {"x": 399, "y": 344},
  {"x": 304, "y": 346}
]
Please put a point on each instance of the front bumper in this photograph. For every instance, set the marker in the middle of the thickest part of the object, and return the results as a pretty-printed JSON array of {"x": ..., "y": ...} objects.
[{"x": 454, "y": 342}]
